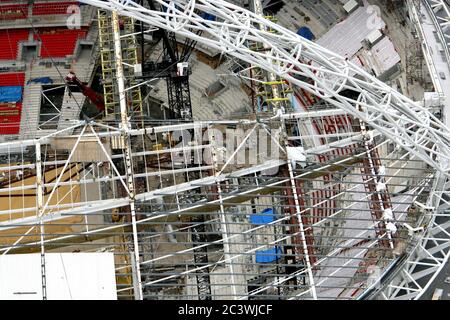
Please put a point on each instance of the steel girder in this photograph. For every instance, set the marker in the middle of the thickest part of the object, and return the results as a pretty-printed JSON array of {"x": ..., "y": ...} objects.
[
  {"x": 409, "y": 124},
  {"x": 441, "y": 15},
  {"x": 432, "y": 251}
]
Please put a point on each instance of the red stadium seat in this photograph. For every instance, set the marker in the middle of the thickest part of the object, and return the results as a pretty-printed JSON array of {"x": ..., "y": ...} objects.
[
  {"x": 9, "y": 42},
  {"x": 52, "y": 8},
  {"x": 59, "y": 43},
  {"x": 12, "y": 79},
  {"x": 13, "y": 11}
]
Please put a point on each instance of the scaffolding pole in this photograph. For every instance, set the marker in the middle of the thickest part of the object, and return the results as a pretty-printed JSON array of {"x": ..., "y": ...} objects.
[
  {"x": 127, "y": 150},
  {"x": 40, "y": 203}
]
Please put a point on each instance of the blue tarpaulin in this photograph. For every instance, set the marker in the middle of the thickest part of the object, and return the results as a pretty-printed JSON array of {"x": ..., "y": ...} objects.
[
  {"x": 208, "y": 16},
  {"x": 306, "y": 33},
  {"x": 44, "y": 80},
  {"x": 268, "y": 256},
  {"x": 265, "y": 217},
  {"x": 10, "y": 94}
]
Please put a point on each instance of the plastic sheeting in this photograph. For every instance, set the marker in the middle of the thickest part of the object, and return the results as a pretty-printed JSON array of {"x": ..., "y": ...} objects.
[
  {"x": 297, "y": 155},
  {"x": 265, "y": 217},
  {"x": 44, "y": 80},
  {"x": 208, "y": 16},
  {"x": 306, "y": 33},
  {"x": 10, "y": 94},
  {"x": 268, "y": 256}
]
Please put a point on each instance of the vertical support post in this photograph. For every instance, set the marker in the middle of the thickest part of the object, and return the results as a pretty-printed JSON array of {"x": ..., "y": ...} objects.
[
  {"x": 119, "y": 72},
  {"x": 40, "y": 215},
  {"x": 223, "y": 218},
  {"x": 127, "y": 149},
  {"x": 299, "y": 217},
  {"x": 136, "y": 288},
  {"x": 141, "y": 24},
  {"x": 271, "y": 77}
]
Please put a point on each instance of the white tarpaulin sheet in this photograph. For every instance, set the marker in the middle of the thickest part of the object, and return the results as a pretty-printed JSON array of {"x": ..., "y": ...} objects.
[{"x": 70, "y": 276}]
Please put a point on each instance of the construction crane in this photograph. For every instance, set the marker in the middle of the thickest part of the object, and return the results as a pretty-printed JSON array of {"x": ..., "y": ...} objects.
[
  {"x": 93, "y": 96},
  {"x": 175, "y": 69}
]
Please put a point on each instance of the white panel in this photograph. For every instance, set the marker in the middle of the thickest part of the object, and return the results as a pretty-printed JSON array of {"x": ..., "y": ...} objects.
[
  {"x": 20, "y": 277},
  {"x": 70, "y": 276},
  {"x": 74, "y": 276}
]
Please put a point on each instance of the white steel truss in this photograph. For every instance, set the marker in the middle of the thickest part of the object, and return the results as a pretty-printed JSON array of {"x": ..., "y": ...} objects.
[
  {"x": 400, "y": 120},
  {"x": 431, "y": 251},
  {"x": 411, "y": 126},
  {"x": 441, "y": 17}
]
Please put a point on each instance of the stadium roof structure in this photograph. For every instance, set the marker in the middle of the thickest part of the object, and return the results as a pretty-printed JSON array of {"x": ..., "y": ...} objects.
[{"x": 344, "y": 199}]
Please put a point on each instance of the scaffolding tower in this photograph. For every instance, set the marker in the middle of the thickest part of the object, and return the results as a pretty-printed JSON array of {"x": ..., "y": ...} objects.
[{"x": 108, "y": 64}]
